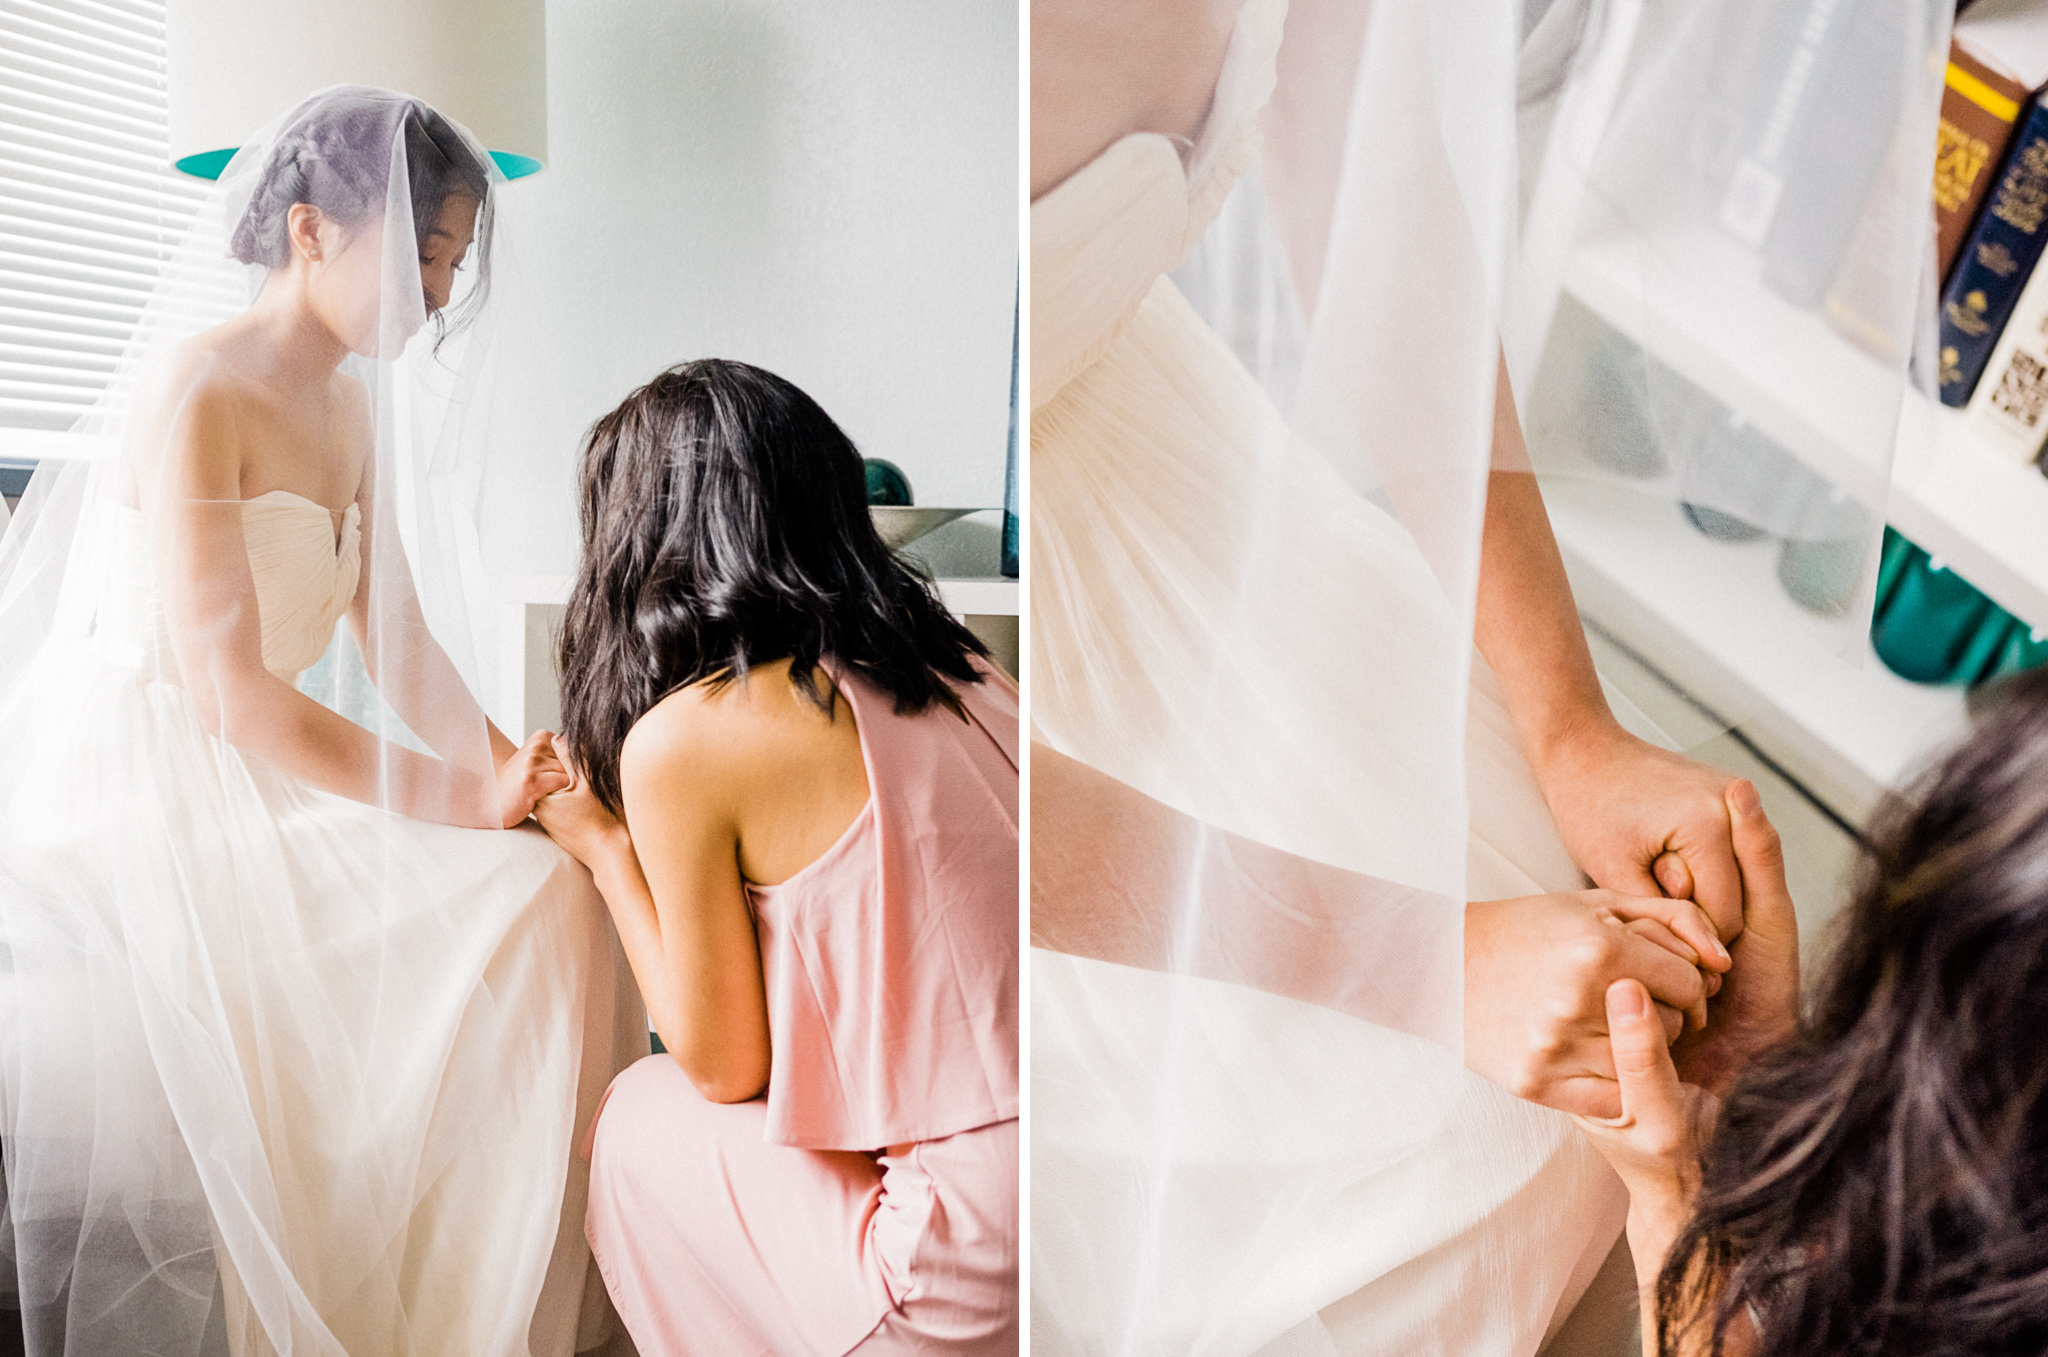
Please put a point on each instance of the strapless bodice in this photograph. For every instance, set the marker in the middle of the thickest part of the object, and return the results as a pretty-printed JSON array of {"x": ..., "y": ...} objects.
[
  {"x": 1107, "y": 232},
  {"x": 304, "y": 581}
]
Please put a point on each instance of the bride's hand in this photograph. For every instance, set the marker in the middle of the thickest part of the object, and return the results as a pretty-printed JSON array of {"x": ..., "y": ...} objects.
[
  {"x": 579, "y": 822},
  {"x": 1537, "y": 972},
  {"x": 1645, "y": 821},
  {"x": 529, "y": 773}
]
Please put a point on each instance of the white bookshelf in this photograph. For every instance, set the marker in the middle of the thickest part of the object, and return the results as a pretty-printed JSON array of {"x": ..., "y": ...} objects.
[
  {"x": 1693, "y": 297},
  {"x": 1829, "y": 403},
  {"x": 531, "y": 610},
  {"x": 981, "y": 596},
  {"x": 1808, "y": 692}
]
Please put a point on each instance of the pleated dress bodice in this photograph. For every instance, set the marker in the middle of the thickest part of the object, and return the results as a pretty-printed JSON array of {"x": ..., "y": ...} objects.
[
  {"x": 1104, "y": 236},
  {"x": 304, "y": 573}
]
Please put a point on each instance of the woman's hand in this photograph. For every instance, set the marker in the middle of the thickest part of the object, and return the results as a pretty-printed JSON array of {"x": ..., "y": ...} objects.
[
  {"x": 1645, "y": 821},
  {"x": 1759, "y": 1004},
  {"x": 529, "y": 773},
  {"x": 1654, "y": 1142},
  {"x": 579, "y": 822},
  {"x": 1537, "y": 972}
]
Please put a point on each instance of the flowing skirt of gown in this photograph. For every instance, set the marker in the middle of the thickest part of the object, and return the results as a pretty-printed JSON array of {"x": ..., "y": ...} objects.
[
  {"x": 1160, "y": 1166},
  {"x": 308, "y": 1037}
]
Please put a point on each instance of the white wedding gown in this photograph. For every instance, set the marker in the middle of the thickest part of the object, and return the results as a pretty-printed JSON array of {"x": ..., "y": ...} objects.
[
  {"x": 1153, "y": 450},
  {"x": 375, "y": 1041}
]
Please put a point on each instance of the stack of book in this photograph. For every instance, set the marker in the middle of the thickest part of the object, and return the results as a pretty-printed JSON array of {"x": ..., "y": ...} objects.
[{"x": 1991, "y": 216}]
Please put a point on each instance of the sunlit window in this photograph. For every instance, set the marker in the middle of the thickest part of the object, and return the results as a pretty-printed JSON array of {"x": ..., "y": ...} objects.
[{"x": 89, "y": 208}]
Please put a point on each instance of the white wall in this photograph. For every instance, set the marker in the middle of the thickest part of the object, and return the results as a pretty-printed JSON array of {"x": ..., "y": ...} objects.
[{"x": 827, "y": 189}]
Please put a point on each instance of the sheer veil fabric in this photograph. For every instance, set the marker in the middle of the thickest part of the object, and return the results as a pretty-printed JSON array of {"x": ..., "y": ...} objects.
[
  {"x": 1258, "y": 486},
  {"x": 295, "y": 1041}
]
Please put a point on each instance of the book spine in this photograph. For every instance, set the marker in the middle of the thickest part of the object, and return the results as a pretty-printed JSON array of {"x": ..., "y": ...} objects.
[
  {"x": 1995, "y": 262},
  {"x": 2010, "y": 408},
  {"x": 1978, "y": 110}
]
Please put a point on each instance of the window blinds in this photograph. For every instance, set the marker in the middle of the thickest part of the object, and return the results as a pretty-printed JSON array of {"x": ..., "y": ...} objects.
[{"x": 89, "y": 206}]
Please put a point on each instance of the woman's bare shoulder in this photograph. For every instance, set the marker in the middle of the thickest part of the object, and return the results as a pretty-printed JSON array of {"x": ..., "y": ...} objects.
[
  {"x": 190, "y": 405},
  {"x": 720, "y": 732},
  {"x": 1102, "y": 71}
]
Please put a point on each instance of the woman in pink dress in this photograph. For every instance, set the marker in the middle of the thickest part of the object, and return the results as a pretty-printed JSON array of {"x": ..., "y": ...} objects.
[{"x": 818, "y": 893}]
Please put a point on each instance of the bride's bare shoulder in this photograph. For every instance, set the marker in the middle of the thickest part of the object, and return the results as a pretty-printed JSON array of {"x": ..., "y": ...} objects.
[
  {"x": 198, "y": 371},
  {"x": 1102, "y": 71},
  {"x": 189, "y": 403}
]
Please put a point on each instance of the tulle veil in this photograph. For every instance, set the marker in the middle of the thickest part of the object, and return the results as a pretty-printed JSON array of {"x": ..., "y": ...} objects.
[
  {"x": 194, "y": 1066},
  {"x": 1256, "y": 610}
]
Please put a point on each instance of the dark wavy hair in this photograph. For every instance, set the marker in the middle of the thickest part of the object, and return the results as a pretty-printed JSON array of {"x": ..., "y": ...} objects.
[
  {"x": 337, "y": 157},
  {"x": 725, "y": 526},
  {"x": 1879, "y": 1183}
]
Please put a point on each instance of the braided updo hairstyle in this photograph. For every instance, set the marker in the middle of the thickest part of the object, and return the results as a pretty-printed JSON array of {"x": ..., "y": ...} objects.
[{"x": 337, "y": 157}]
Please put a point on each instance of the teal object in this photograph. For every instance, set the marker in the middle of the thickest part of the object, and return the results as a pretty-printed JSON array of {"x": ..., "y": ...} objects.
[
  {"x": 1933, "y": 626},
  {"x": 1011, "y": 523},
  {"x": 209, "y": 164},
  {"x": 515, "y": 166},
  {"x": 886, "y": 483},
  {"x": 2025, "y": 648}
]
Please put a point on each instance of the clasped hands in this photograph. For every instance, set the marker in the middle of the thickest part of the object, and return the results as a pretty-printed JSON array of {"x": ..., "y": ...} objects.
[
  {"x": 1690, "y": 904},
  {"x": 541, "y": 779}
]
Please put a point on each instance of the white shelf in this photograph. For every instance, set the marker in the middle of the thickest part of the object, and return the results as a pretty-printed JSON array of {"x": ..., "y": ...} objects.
[
  {"x": 526, "y": 698},
  {"x": 997, "y": 597},
  {"x": 1712, "y": 615},
  {"x": 986, "y": 594},
  {"x": 1984, "y": 512},
  {"x": 1826, "y": 401}
]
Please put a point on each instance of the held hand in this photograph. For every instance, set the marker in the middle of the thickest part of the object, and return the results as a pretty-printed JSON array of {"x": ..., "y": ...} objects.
[
  {"x": 1759, "y": 1004},
  {"x": 1653, "y": 1142},
  {"x": 1537, "y": 971},
  {"x": 529, "y": 773},
  {"x": 1645, "y": 821},
  {"x": 579, "y": 822}
]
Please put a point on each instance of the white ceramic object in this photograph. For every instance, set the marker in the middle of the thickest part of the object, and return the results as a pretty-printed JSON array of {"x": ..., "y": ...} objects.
[{"x": 900, "y": 525}]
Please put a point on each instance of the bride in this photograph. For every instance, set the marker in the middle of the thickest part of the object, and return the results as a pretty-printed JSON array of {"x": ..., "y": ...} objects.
[
  {"x": 1286, "y": 982},
  {"x": 290, "y": 997}
]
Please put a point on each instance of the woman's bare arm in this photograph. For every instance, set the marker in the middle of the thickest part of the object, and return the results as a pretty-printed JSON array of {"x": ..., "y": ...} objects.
[
  {"x": 1117, "y": 876},
  {"x": 674, "y": 889},
  {"x": 426, "y": 691},
  {"x": 193, "y": 500}
]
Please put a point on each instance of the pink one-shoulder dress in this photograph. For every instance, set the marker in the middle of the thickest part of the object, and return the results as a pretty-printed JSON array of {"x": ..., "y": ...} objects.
[{"x": 868, "y": 1202}]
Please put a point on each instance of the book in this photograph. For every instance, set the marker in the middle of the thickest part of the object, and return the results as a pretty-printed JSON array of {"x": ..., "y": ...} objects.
[
  {"x": 1995, "y": 261},
  {"x": 1999, "y": 51},
  {"x": 2009, "y": 410},
  {"x": 1979, "y": 107}
]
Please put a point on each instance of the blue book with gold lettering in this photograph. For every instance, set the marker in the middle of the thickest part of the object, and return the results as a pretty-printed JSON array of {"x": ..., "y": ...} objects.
[{"x": 1995, "y": 262}]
